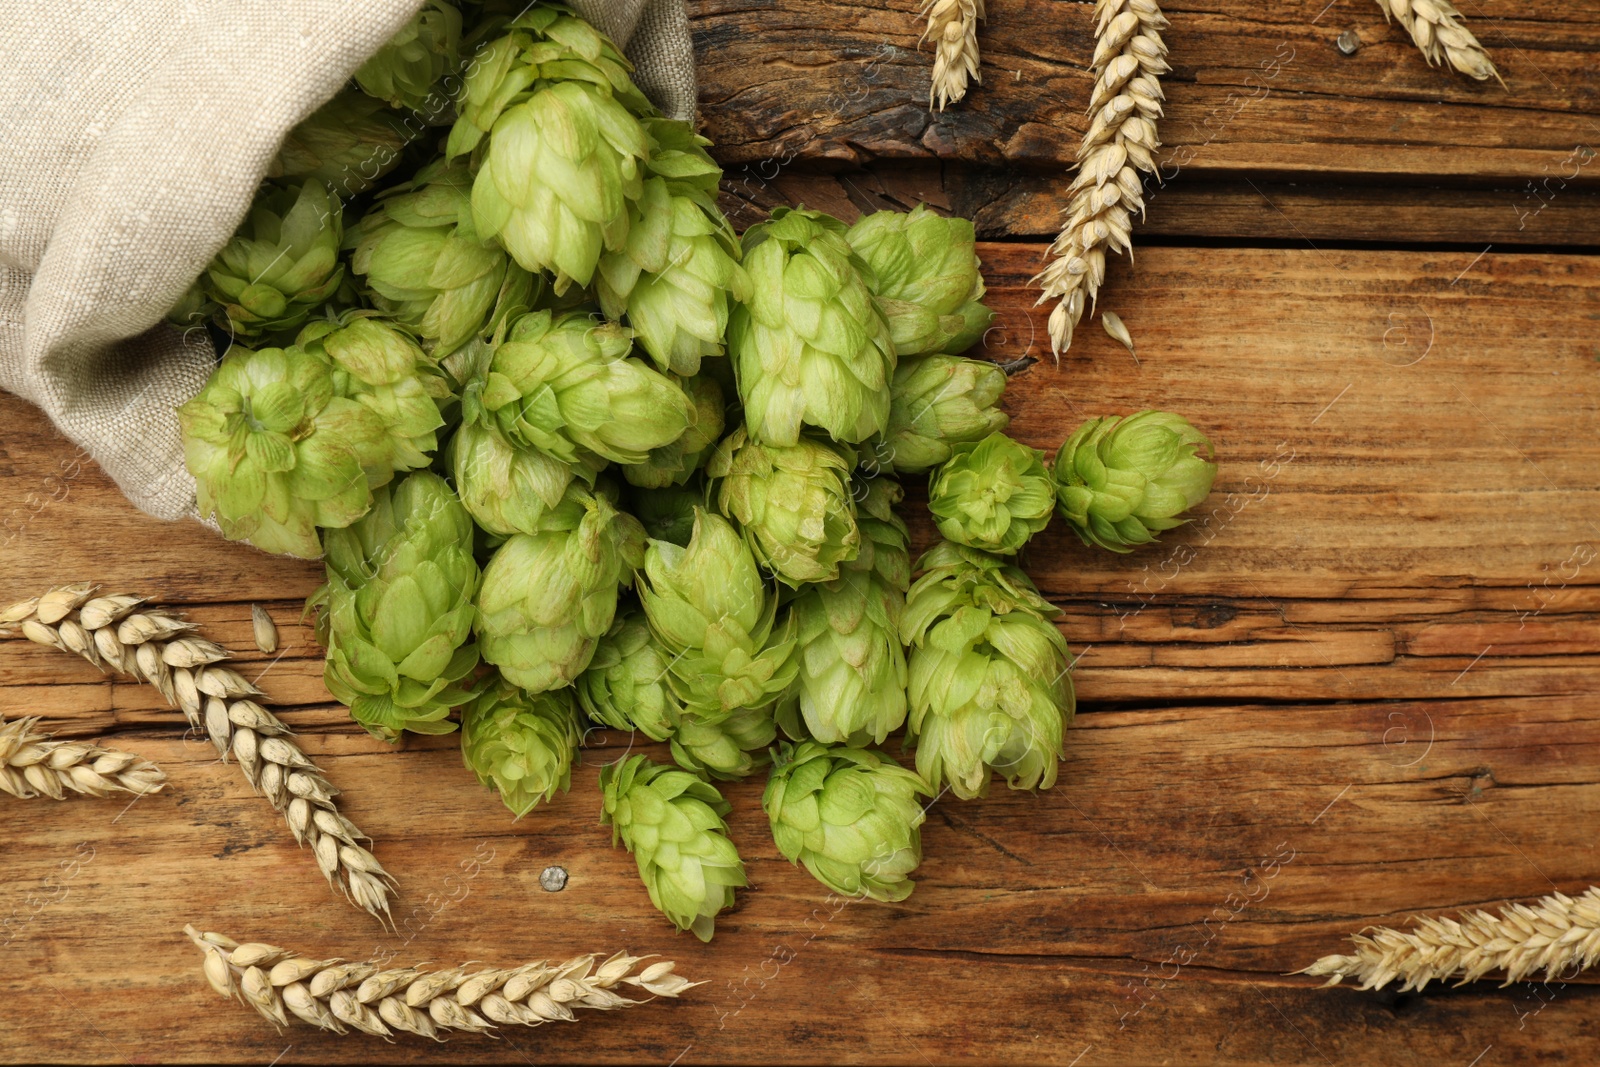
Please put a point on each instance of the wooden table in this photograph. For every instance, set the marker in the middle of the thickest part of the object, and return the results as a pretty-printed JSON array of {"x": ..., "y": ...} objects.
[{"x": 1361, "y": 687}]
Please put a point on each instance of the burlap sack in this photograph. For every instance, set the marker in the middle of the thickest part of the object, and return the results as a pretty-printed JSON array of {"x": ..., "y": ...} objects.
[{"x": 134, "y": 137}]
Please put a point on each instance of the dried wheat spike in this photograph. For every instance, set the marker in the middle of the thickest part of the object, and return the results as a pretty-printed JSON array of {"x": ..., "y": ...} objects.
[
  {"x": 1557, "y": 935},
  {"x": 122, "y": 634},
  {"x": 335, "y": 994},
  {"x": 953, "y": 28},
  {"x": 33, "y": 765},
  {"x": 1129, "y": 59},
  {"x": 1436, "y": 28}
]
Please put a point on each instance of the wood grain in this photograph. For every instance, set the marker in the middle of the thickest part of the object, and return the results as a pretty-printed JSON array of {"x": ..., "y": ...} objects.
[{"x": 1360, "y": 688}]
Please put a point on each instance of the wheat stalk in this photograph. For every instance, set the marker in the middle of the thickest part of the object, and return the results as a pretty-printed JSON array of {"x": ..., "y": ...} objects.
[
  {"x": 158, "y": 646},
  {"x": 1120, "y": 142},
  {"x": 1556, "y": 935},
  {"x": 334, "y": 994},
  {"x": 33, "y": 765},
  {"x": 1434, "y": 26},
  {"x": 953, "y": 28}
]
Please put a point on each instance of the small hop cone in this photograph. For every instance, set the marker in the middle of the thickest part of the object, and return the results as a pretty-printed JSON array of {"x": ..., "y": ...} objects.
[
  {"x": 989, "y": 687},
  {"x": 626, "y": 685},
  {"x": 508, "y": 488},
  {"x": 1121, "y": 481},
  {"x": 547, "y": 598},
  {"x": 936, "y": 403},
  {"x": 925, "y": 275},
  {"x": 811, "y": 346},
  {"x": 724, "y": 747},
  {"x": 347, "y": 144},
  {"x": 993, "y": 495},
  {"x": 710, "y": 609},
  {"x": 675, "y": 463},
  {"x": 409, "y": 66},
  {"x": 792, "y": 502},
  {"x": 398, "y": 610},
  {"x": 672, "y": 823},
  {"x": 521, "y": 743},
  {"x": 850, "y": 815},
  {"x": 276, "y": 453}
]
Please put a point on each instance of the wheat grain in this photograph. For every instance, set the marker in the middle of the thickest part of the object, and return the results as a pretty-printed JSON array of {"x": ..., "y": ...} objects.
[
  {"x": 1435, "y": 27},
  {"x": 34, "y": 765},
  {"x": 953, "y": 28},
  {"x": 1121, "y": 141},
  {"x": 122, "y": 634},
  {"x": 1557, "y": 935},
  {"x": 263, "y": 629},
  {"x": 335, "y": 994}
]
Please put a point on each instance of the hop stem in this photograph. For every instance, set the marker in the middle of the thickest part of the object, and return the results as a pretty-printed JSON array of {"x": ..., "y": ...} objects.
[
  {"x": 336, "y": 994},
  {"x": 1121, "y": 141},
  {"x": 953, "y": 29},
  {"x": 159, "y": 647},
  {"x": 1556, "y": 935},
  {"x": 33, "y": 765},
  {"x": 1436, "y": 28}
]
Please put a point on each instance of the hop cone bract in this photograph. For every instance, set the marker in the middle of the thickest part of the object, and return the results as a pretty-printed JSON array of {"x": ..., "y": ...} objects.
[
  {"x": 937, "y": 402},
  {"x": 1121, "y": 481},
  {"x": 810, "y": 346},
  {"x": 565, "y": 150},
  {"x": 521, "y": 743},
  {"x": 792, "y": 502},
  {"x": 282, "y": 264},
  {"x": 925, "y": 274},
  {"x": 548, "y": 597},
  {"x": 989, "y": 688},
  {"x": 674, "y": 276},
  {"x": 850, "y": 815},
  {"x": 851, "y": 680},
  {"x": 709, "y": 607},
  {"x": 275, "y": 453},
  {"x": 566, "y": 384},
  {"x": 672, "y": 823},
  {"x": 424, "y": 263},
  {"x": 992, "y": 495},
  {"x": 397, "y": 609},
  {"x": 726, "y": 748}
]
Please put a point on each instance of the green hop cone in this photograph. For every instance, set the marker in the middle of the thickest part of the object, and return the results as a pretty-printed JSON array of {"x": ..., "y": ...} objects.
[
  {"x": 626, "y": 684},
  {"x": 275, "y": 453},
  {"x": 347, "y": 144},
  {"x": 937, "y": 402},
  {"x": 728, "y": 749},
  {"x": 405, "y": 71},
  {"x": 382, "y": 369},
  {"x": 520, "y": 743},
  {"x": 708, "y": 606},
  {"x": 992, "y": 495},
  {"x": 565, "y": 384},
  {"x": 547, "y": 598},
  {"x": 810, "y": 346},
  {"x": 792, "y": 502},
  {"x": 672, "y": 823},
  {"x": 851, "y": 681},
  {"x": 565, "y": 150},
  {"x": 675, "y": 463},
  {"x": 850, "y": 815},
  {"x": 988, "y": 687},
  {"x": 397, "y": 609},
  {"x": 507, "y": 488},
  {"x": 926, "y": 277},
  {"x": 675, "y": 275},
  {"x": 282, "y": 264},
  {"x": 423, "y": 262},
  {"x": 1121, "y": 481}
]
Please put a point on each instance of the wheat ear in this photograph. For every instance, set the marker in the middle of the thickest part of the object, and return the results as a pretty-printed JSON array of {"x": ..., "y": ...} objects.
[
  {"x": 1556, "y": 935},
  {"x": 1436, "y": 28},
  {"x": 159, "y": 647},
  {"x": 334, "y": 994},
  {"x": 953, "y": 28},
  {"x": 33, "y": 765},
  {"x": 1129, "y": 59}
]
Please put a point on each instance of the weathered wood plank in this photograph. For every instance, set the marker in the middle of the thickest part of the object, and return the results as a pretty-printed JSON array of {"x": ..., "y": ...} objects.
[{"x": 1252, "y": 89}]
